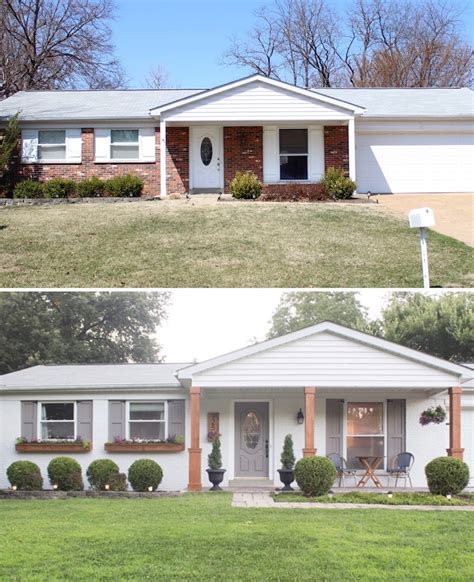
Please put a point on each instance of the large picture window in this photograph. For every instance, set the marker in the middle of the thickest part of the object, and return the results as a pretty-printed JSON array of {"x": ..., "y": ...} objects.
[
  {"x": 124, "y": 144},
  {"x": 51, "y": 144},
  {"x": 147, "y": 420},
  {"x": 57, "y": 421},
  {"x": 293, "y": 154},
  {"x": 365, "y": 431}
]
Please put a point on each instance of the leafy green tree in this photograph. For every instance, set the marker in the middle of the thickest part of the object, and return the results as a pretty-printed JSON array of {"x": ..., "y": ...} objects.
[
  {"x": 298, "y": 309},
  {"x": 8, "y": 144},
  {"x": 64, "y": 328},
  {"x": 442, "y": 325}
]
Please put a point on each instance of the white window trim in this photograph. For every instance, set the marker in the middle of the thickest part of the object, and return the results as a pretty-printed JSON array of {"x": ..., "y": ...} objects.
[
  {"x": 128, "y": 421},
  {"x": 384, "y": 422},
  {"x": 298, "y": 180},
  {"x": 124, "y": 143},
  {"x": 51, "y": 145},
  {"x": 40, "y": 421},
  {"x": 64, "y": 161}
]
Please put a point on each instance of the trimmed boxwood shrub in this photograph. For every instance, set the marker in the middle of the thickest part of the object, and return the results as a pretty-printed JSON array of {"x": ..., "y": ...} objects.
[
  {"x": 145, "y": 473},
  {"x": 118, "y": 482},
  {"x": 28, "y": 189},
  {"x": 338, "y": 185},
  {"x": 124, "y": 186},
  {"x": 91, "y": 188},
  {"x": 315, "y": 475},
  {"x": 100, "y": 472},
  {"x": 447, "y": 475},
  {"x": 59, "y": 188},
  {"x": 245, "y": 185},
  {"x": 25, "y": 475},
  {"x": 66, "y": 473}
]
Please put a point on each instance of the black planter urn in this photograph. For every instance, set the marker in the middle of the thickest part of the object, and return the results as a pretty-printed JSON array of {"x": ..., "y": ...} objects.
[
  {"x": 216, "y": 477},
  {"x": 287, "y": 476}
]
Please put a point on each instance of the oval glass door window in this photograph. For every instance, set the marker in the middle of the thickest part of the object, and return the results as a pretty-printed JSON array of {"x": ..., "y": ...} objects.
[
  {"x": 206, "y": 151},
  {"x": 251, "y": 430}
]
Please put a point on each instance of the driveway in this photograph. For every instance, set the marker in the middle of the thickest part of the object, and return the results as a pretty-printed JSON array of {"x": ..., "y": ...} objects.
[{"x": 454, "y": 213}]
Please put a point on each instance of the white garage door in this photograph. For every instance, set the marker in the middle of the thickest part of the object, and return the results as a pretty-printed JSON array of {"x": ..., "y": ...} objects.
[
  {"x": 467, "y": 440},
  {"x": 399, "y": 163}
]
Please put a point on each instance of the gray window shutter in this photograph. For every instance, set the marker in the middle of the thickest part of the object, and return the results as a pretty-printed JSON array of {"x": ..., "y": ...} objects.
[
  {"x": 84, "y": 419},
  {"x": 334, "y": 426},
  {"x": 29, "y": 420},
  {"x": 175, "y": 417},
  {"x": 396, "y": 429},
  {"x": 116, "y": 419}
]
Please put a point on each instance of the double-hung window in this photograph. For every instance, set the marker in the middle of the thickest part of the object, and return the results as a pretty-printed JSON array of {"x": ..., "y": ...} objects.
[
  {"x": 293, "y": 154},
  {"x": 124, "y": 144},
  {"x": 147, "y": 420},
  {"x": 57, "y": 421},
  {"x": 51, "y": 144},
  {"x": 365, "y": 431}
]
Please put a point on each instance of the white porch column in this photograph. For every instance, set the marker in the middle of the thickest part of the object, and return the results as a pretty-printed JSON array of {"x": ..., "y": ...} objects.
[
  {"x": 352, "y": 161},
  {"x": 163, "y": 190}
]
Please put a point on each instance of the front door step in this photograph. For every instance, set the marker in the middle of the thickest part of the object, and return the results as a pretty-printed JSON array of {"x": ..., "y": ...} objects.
[{"x": 243, "y": 482}]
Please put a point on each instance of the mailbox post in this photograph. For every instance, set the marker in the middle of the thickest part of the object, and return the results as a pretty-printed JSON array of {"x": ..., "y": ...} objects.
[{"x": 421, "y": 218}]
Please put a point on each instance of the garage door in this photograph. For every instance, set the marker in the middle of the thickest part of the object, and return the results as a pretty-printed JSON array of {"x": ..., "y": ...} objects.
[
  {"x": 399, "y": 163},
  {"x": 467, "y": 440}
]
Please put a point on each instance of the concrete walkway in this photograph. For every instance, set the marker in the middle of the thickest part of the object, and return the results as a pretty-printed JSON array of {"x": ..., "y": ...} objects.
[
  {"x": 259, "y": 500},
  {"x": 454, "y": 213}
]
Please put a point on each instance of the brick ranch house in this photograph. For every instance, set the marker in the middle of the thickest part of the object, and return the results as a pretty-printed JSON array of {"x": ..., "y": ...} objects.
[
  {"x": 387, "y": 140},
  {"x": 334, "y": 389}
]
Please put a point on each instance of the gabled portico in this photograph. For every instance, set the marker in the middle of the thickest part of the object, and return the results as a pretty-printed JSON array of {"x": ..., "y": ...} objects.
[
  {"x": 280, "y": 132},
  {"x": 357, "y": 393}
]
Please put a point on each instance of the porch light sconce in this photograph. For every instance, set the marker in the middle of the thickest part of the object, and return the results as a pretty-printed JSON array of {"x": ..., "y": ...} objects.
[{"x": 300, "y": 416}]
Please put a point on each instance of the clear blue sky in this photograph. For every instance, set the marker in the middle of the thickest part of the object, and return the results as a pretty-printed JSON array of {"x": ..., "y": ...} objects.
[{"x": 188, "y": 37}]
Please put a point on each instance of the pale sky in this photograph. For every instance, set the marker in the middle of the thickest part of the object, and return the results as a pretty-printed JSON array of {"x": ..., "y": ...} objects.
[{"x": 203, "y": 323}]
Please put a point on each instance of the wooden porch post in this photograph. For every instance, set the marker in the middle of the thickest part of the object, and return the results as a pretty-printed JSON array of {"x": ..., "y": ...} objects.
[
  {"x": 195, "y": 450},
  {"x": 455, "y": 449},
  {"x": 309, "y": 398}
]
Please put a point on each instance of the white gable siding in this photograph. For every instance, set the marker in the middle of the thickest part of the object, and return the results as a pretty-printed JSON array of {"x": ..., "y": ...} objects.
[
  {"x": 325, "y": 360},
  {"x": 257, "y": 102}
]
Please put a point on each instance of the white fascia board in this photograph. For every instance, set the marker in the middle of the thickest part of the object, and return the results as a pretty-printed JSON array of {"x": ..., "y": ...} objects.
[
  {"x": 364, "y": 338},
  {"x": 356, "y": 109},
  {"x": 5, "y": 389},
  {"x": 433, "y": 388}
]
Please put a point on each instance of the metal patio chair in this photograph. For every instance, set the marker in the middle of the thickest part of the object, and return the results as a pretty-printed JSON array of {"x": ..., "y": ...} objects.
[
  {"x": 401, "y": 466},
  {"x": 341, "y": 468}
]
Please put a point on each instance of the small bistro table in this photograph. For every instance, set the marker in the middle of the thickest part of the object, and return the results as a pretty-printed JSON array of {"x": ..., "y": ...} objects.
[{"x": 370, "y": 464}]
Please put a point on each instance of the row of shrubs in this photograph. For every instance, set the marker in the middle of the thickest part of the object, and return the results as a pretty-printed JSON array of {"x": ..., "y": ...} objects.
[
  {"x": 444, "y": 475},
  {"x": 334, "y": 185},
  {"x": 126, "y": 186},
  {"x": 65, "y": 474}
]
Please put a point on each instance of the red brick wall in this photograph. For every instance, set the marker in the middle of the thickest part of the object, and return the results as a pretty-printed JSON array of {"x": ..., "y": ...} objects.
[
  {"x": 336, "y": 147},
  {"x": 243, "y": 151},
  {"x": 177, "y": 164}
]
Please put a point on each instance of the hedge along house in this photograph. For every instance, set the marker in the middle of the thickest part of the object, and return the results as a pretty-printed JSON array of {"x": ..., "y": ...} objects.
[
  {"x": 332, "y": 388},
  {"x": 387, "y": 140}
]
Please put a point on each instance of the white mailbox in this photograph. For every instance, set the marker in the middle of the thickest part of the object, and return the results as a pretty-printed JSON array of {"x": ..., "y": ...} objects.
[{"x": 421, "y": 217}]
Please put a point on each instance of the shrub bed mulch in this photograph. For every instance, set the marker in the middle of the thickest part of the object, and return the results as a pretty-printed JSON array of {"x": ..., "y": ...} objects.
[
  {"x": 402, "y": 498},
  {"x": 54, "y": 201},
  {"x": 50, "y": 494}
]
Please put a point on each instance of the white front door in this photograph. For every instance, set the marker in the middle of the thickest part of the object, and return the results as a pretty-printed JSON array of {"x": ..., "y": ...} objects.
[{"x": 207, "y": 167}]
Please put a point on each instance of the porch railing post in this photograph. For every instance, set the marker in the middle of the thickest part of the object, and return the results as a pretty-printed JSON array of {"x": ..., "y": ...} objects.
[
  {"x": 195, "y": 450},
  {"x": 455, "y": 449},
  {"x": 309, "y": 400}
]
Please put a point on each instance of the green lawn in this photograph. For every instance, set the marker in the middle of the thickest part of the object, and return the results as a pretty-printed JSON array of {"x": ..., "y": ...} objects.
[
  {"x": 419, "y": 498},
  {"x": 200, "y": 537},
  {"x": 178, "y": 244}
]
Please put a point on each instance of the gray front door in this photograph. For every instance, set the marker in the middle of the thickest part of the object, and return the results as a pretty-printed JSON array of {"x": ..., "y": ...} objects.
[{"x": 251, "y": 439}]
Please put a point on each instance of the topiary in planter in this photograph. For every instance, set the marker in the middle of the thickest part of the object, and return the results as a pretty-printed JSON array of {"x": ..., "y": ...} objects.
[
  {"x": 59, "y": 188},
  {"x": 144, "y": 474},
  {"x": 100, "y": 472},
  {"x": 287, "y": 458},
  {"x": 447, "y": 475},
  {"x": 25, "y": 475},
  {"x": 315, "y": 475},
  {"x": 66, "y": 474}
]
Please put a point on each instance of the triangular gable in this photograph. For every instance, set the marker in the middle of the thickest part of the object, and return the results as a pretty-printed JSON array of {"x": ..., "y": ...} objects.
[{"x": 255, "y": 92}]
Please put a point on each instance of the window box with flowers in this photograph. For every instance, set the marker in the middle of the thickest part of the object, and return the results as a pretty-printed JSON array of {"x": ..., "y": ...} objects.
[
  {"x": 433, "y": 415},
  {"x": 171, "y": 445},
  {"x": 77, "y": 445}
]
